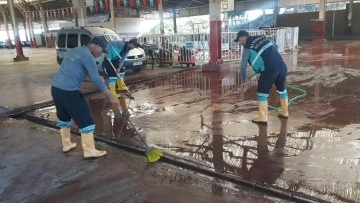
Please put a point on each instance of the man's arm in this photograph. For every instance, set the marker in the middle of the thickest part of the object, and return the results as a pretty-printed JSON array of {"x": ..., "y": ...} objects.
[
  {"x": 115, "y": 47},
  {"x": 244, "y": 61},
  {"x": 90, "y": 66},
  {"x": 122, "y": 61}
]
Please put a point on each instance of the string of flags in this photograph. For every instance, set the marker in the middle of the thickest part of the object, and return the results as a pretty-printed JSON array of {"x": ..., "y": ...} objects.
[
  {"x": 54, "y": 14},
  {"x": 99, "y": 6}
]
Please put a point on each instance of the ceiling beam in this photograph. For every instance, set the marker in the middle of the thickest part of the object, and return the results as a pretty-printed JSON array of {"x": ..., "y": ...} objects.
[
  {"x": 36, "y": 6},
  {"x": 21, "y": 6}
]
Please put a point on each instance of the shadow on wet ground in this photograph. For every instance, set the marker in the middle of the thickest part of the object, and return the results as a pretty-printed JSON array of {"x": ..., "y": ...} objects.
[{"x": 206, "y": 118}]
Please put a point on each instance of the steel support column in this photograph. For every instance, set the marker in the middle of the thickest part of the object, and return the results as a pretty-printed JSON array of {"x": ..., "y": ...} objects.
[
  {"x": 348, "y": 29},
  {"x": 216, "y": 62},
  {"x": 32, "y": 34},
  {"x": 275, "y": 13},
  {"x": 45, "y": 26},
  {"x": 3, "y": 11},
  {"x": 25, "y": 28},
  {"x": 215, "y": 30},
  {"x": 174, "y": 20},
  {"x": 79, "y": 9},
  {"x": 319, "y": 24},
  {"x": 19, "y": 51},
  {"x": 112, "y": 13},
  {"x": 161, "y": 16}
]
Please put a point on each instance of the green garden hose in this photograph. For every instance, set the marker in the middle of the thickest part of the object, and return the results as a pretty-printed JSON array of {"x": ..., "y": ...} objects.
[
  {"x": 301, "y": 95},
  {"x": 302, "y": 91}
]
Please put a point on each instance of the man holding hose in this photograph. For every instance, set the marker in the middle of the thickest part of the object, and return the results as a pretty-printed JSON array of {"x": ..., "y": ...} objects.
[{"x": 263, "y": 56}]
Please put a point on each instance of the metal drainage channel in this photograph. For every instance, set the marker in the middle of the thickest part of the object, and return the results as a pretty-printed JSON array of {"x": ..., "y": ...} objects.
[{"x": 198, "y": 168}]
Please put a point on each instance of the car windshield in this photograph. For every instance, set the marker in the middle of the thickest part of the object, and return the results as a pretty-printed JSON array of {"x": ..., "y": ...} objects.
[{"x": 112, "y": 38}]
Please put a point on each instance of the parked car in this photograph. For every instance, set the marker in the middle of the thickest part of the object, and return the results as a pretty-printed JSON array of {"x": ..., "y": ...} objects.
[
  {"x": 25, "y": 44},
  {"x": 2, "y": 45},
  {"x": 71, "y": 37},
  {"x": 7, "y": 44}
]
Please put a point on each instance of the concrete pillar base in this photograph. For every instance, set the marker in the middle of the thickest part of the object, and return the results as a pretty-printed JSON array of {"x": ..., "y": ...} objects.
[
  {"x": 319, "y": 30},
  {"x": 21, "y": 58},
  {"x": 47, "y": 41},
  {"x": 224, "y": 67}
]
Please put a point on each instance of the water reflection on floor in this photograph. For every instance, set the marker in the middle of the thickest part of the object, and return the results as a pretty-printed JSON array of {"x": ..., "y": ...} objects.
[{"x": 206, "y": 117}]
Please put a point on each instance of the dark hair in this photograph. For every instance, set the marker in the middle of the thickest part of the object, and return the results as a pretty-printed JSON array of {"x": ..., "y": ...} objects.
[
  {"x": 99, "y": 41},
  {"x": 134, "y": 42}
]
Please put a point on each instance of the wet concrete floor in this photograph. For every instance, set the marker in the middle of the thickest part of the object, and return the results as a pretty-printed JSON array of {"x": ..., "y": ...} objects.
[
  {"x": 33, "y": 169},
  {"x": 206, "y": 118},
  {"x": 29, "y": 81}
]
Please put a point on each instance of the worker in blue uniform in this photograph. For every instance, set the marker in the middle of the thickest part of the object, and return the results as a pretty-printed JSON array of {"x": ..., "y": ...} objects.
[
  {"x": 70, "y": 104},
  {"x": 263, "y": 56},
  {"x": 118, "y": 51}
]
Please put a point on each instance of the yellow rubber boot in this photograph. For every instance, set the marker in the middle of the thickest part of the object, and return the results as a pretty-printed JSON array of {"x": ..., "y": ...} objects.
[
  {"x": 88, "y": 144},
  {"x": 112, "y": 89},
  {"x": 123, "y": 103},
  {"x": 283, "y": 113},
  {"x": 65, "y": 139},
  {"x": 121, "y": 85},
  {"x": 263, "y": 113}
]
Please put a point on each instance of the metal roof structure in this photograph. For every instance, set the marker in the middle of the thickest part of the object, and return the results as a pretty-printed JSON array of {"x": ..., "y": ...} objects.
[
  {"x": 184, "y": 5},
  {"x": 34, "y": 6}
]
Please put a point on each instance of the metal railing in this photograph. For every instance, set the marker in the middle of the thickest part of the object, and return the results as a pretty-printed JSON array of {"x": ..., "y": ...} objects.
[{"x": 194, "y": 49}]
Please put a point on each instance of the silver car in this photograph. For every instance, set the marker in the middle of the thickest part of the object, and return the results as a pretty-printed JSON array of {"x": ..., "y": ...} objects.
[{"x": 71, "y": 37}]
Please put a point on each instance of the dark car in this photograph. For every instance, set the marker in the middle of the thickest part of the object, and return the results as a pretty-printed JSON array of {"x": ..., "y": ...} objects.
[{"x": 25, "y": 44}]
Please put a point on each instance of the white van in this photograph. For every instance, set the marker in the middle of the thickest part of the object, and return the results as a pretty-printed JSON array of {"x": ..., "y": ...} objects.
[{"x": 71, "y": 37}]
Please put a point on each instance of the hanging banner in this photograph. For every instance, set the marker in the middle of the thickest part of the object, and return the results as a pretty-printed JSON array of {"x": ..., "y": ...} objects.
[
  {"x": 131, "y": 3},
  {"x": 51, "y": 15},
  {"x": 96, "y": 5},
  {"x": 47, "y": 15},
  {"x": 125, "y": 3},
  {"x": 107, "y": 8},
  {"x": 63, "y": 13},
  {"x": 118, "y": 3},
  {"x": 151, "y": 3},
  {"x": 59, "y": 14},
  {"x": 44, "y": 15},
  {"x": 138, "y": 4},
  {"x": 100, "y": 13},
  {"x": 144, "y": 2}
]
